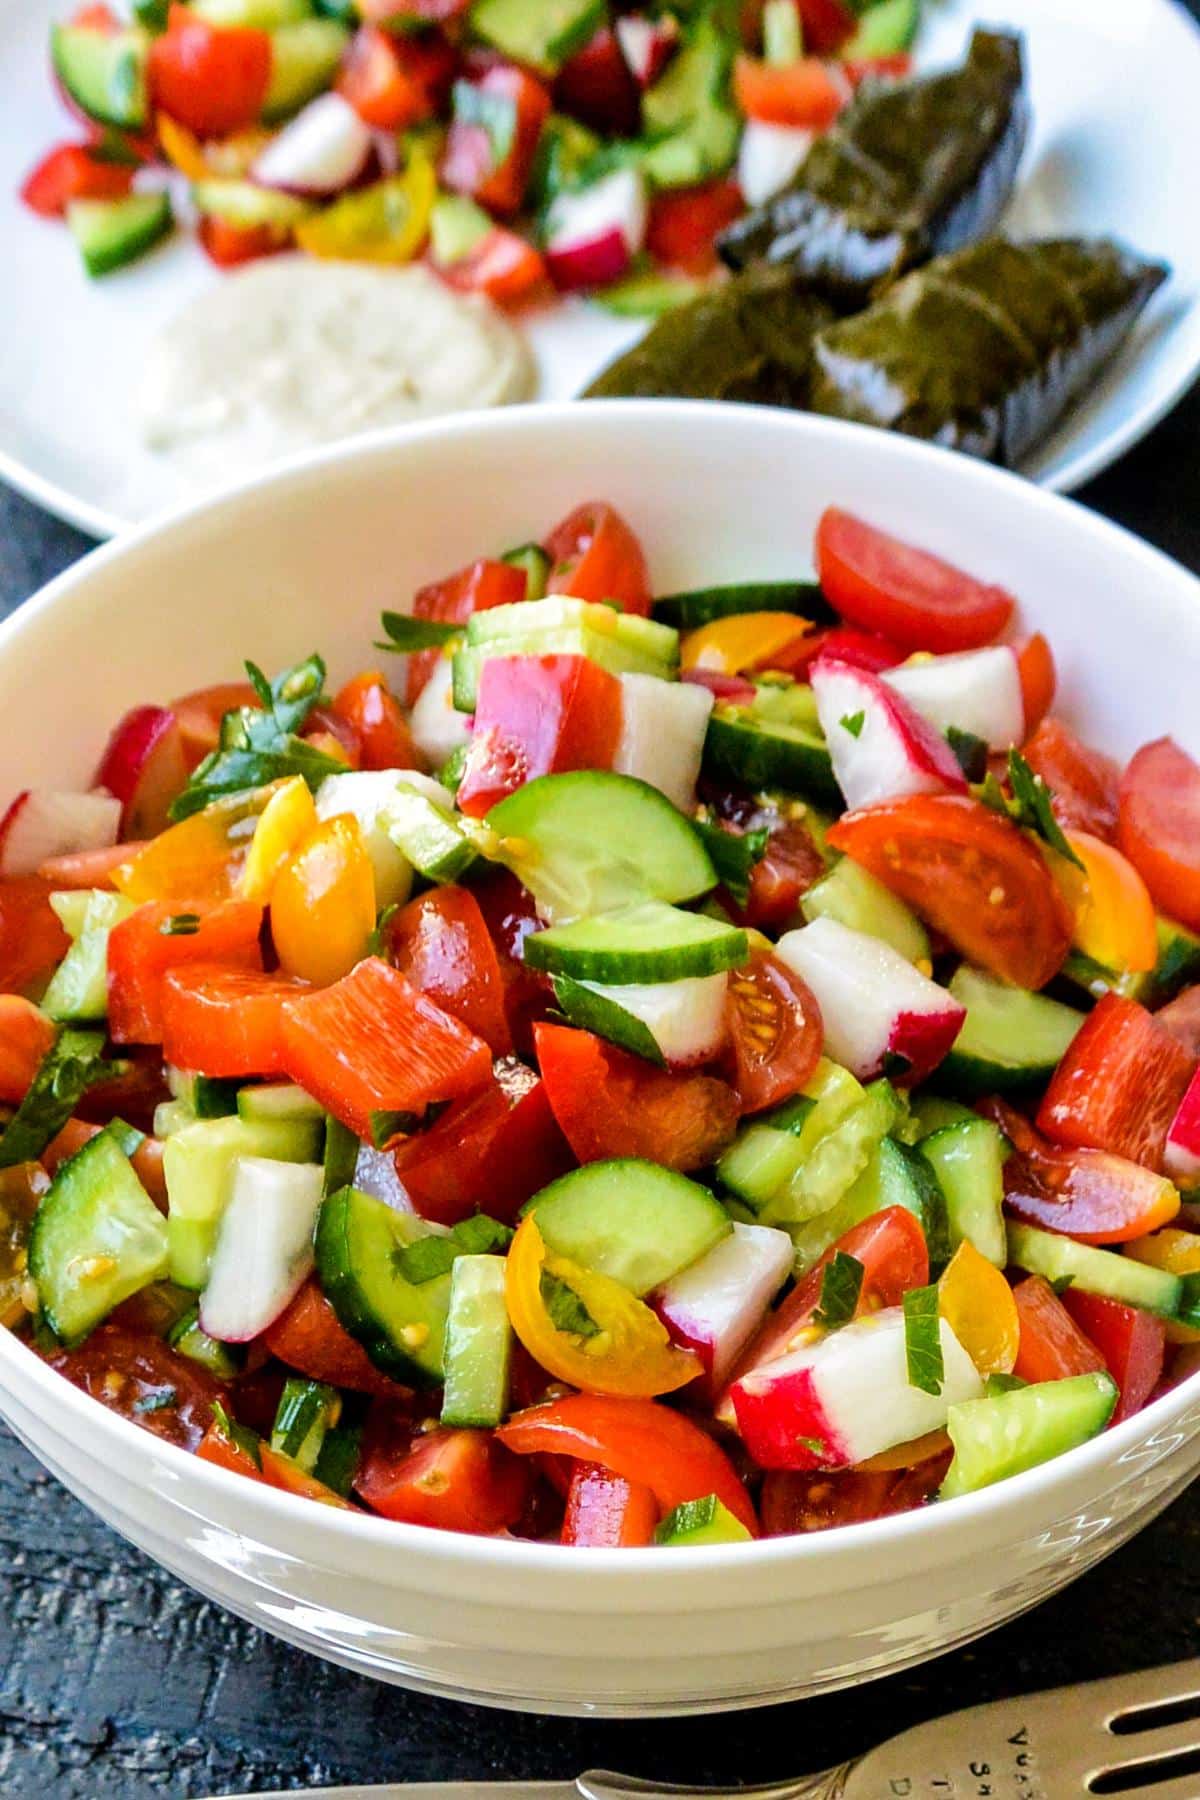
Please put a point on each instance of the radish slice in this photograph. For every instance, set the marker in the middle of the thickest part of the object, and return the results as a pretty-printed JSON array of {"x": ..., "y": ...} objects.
[
  {"x": 715, "y": 1306},
  {"x": 365, "y": 793},
  {"x": 264, "y": 1247},
  {"x": 685, "y": 1018},
  {"x": 662, "y": 734},
  {"x": 974, "y": 690},
  {"x": 41, "y": 824},
  {"x": 846, "y": 1396},
  {"x": 593, "y": 234},
  {"x": 647, "y": 45},
  {"x": 438, "y": 728},
  {"x": 1182, "y": 1156},
  {"x": 324, "y": 149},
  {"x": 882, "y": 749},
  {"x": 874, "y": 1005},
  {"x": 768, "y": 157},
  {"x": 144, "y": 766}
]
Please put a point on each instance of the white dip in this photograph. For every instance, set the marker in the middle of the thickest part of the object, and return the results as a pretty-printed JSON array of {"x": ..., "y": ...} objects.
[{"x": 291, "y": 352}]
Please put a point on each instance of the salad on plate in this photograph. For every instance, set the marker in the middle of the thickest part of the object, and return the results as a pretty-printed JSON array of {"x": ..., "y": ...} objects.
[{"x": 649, "y": 1069}]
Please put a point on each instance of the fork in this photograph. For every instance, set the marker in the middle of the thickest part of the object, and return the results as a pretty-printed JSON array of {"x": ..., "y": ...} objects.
[{"x": 1133, "y": 1735}]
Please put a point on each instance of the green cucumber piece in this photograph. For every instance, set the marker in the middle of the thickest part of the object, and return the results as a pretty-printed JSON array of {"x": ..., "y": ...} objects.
[
  {"x": 530, "y": 557},
  {"x": 400, "y": 1324},
  {"x": 930, "y": 1113},
  {"x": 171, "y": 1116},
  {"x": 78, "y": 989},
  {"x": 244, "y": 204},
  {"x": 341, "y": 1453},
  {"x": 304, "y": 60},
  {"x": 884, "y": 29},
  {"x": 648, "y": 293},
  {"x": 1011, "y": 1040},
  {"x": 341, "y": 1157},
  {"x": 188, "y": 1336},
  {"x": 647, "y": 943},
  {"x": 590, "y": 842},
  {"x": 1004, "y": 1434},
  {"x": 706, "y": 1521},
  {"x": 542, "y": 34},
  {"x": 761, "y": 753},
  {"x": 692, "y": 607},
  {"x": 456, "y": 227},
  {"x": 204, "y": 1096},
  {"x": 70, "y": 908},
  {"x": 431, "y": 838},
  {"x": 968, "y": 1160},
  {"x": 278, "y": 1100},
  {"x": 1093, "y": 1270},
  {"x": 478, "y": 1343},
  {"x": 690, "y": 128},
  {"x": 111, "y": 233},
  {"x": 557, "y": 625},
  {"x": 258, "y": 15},
  {"x": 854, "y": 898},
  {"x": 583, "y": 1006},
  {"x": 199, "y": 1162},
  {"x": 307, "y": 1409},
  {"x": 634, "y": 1221},
  {"x": 893, "y": 1176},
  {"x": 104, "y": 72},
  {"x": 783, "y": 36},
  {"x": 97, "y": 1238}
]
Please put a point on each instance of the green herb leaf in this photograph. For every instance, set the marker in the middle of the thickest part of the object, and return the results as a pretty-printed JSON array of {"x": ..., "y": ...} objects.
[
  {"x": 259, "y": 744},
  {"x": 1061, "y": 1283},
  {"x": 377, "y": 941},
  {"x": 1031, "y": 805},
  {"x": 853, "y": 723},
  {"x": 432, "y": 1256},
  {"x": 240, "y": 1436},
  {"x": 815, "y": 1445},
  {"x": 1002, "y": 1384},
  {"x": 734, "y": 855},
  {"x": 180, "y": 925},
  {"x": 157, "y": 1401},
  {"x": 406, "y": 633},
  {"x": 923, "y": 1340},
  {"x": 970, "y": 751},
  {"x": 567, "y": 1311},
  {"x": 841, "y": 1285},
  {"x": 73, "y": 1063},
  {"x": 480, "y": 1235},
  {"x": 451, "y": 772},
  {"x": 385, "y": 1126}
]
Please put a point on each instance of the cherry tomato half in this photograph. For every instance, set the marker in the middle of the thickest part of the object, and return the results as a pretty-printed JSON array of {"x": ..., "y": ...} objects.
[
  {"x": 775, "y": 1032},
  {"x": 595, "y": 556},
  {"x": 882, "y": 584},
  {"x": 1159, "y": 828}
]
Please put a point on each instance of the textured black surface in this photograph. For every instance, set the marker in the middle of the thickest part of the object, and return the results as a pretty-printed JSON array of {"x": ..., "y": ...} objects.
[{"x": 115, "y": 1682}]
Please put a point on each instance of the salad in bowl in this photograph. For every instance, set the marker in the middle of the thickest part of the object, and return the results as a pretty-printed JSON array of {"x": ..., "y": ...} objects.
[{"x": 632, "y": 1069}]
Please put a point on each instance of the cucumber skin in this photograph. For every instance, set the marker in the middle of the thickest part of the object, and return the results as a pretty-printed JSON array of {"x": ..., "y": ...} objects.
[
  {"x": 595, "y": 1012},
  {"x": 103, "y": 252},
  {"x": 971, "y": 1215},
  {"x": 1045, "y": 1253},
  {"x": 341, "y": 1289},
  {"x": 559, "y": 954},
  {"x": 666, "y": 1199},
  {"x": 1028, "y": 1426},
  {"x": 694, "y": 607},
  {"x": 744, "y": 750},
  {"x": 130, "y": 116}
]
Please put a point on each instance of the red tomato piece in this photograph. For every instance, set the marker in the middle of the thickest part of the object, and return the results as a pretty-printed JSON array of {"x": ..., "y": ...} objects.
[
  {"x": 972, "y": 874},
  {"x": 490, "y": 1152},
  {"x": 595, "y": 86},
  {"x": 211, "y": 78},
  {"x": 395, "y": 81},
  {"x": 594, "y": 555},
  {"x": 141, "y": 951},
  {"x": 1181, "y": 1017},
  {"x": 861, "y": 649},
  {"x": 510, "y": 916},
  {"x": 440, "y": 941},
  {"x": 802, "y": 94},
  {"x": 372, "y": 1043},
  {"x": 147, "y": 1161},
  {"x": 684, "y": 222},
  {"x": 1084, "y": 784},
  {"x": 505, "y": 267},
  {"x": 369, "y": 707},
  {"x": 1052, "y": 1347},
  {"x": 1119, "y": 1085},
  {"x": 96, "y": 16},
  {"x": 477, "y": 588},
  {"x": 223, "y": 1453},
  {"x": 228, "y": 245},
  {"x": 789, "y": 866},
  {"x": 1039, "y": 679},
  {"x": 133, "y": 1095},
  {"x": 73, "y": 172},
  {"x": 1159, "y": 828},
  {"x": 309, "y": 1338},
  {"x": 518, "y": 105},
  {"x": 1087, "y": 1194},
  {"x": 609, "y": 1102},
  {"x": 25, "y": 1036},
  {"x": 882, "y": 584},
  {"x": 121, "y": 1370},
  {"x": 1132, "y": 1342},
  {"x": 826, "y": 24},
  {"x": 639, "y": 1439},
  {"x": 455, "y": 1480},
  {"x": 199, "y": 715},
  {"x": 795, "y": 1500},
  {"x": 607, "y": 1512},
  {"x": 87, "y": 868},
  {"x": 225, "y": 1022},
  {"x": 537, "y": 715},
  {"x": 775, "y": 1032},
  {"x": 32, "y": 941}
]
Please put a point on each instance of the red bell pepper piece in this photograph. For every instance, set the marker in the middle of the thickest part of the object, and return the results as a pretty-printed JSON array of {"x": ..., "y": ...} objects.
[
  {"x": 1052, "y": 1347},
  {"x": 1131, "y": 1341},
  {"x": 372, "y": 1043},
  {"x": 490, "y": 1152},
  {"x": 440, "y": 941},
  {"x": 607, "y": 1511},
  {"x": 25, "y": 1036},
  {"x": 211, "y": 78},
  {"x": 73, "y": 172},
  {"x": 225, "y": 1022},
  {"x": 826, "y": 25},
  {"x": 308, "y": 1337},
  {"x": 228, "y": 245},
  {"x": 595, "y": 555},
  {"x": 684, "y": 221},
  {"x": 494, "y": 136},
  {"x": 455, "y": 1480},
  {"x": 477, "y": 588},
  {"x": 143, "y": 947},
  {"x": 394, "y": 81},
  {"x": 596, "y": 86},
  {"x": 371, "y": 710},
  {"x": 538, "y": 715},
  {"x": 502, "y": 265},
  {"x": 1119, "y": 1085}
]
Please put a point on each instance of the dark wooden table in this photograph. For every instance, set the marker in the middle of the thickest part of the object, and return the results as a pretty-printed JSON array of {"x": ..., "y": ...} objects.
[{"x": 115, "y": 1682}]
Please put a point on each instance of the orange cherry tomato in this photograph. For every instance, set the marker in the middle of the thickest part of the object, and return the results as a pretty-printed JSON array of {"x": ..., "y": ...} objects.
[
  {"x": 976, "y": 1302},
  {"x": 801, "y": 94},
  {"x": 1039, "y": 678},
  {"x": 1159, "y": 828},
  {"x": 743, "y": 641},
  {"x": 368, "y": 705},
  {"x": 323, "y": 903},
  {"x": 286, "y": 820},
  {"x": 199, "y": 715},
  {"x": 594, "y": 555},
  {"x": 25, "y": 1036},
  {"x": 200, "y": 860},
  {"x": 1115, "y": 922}
]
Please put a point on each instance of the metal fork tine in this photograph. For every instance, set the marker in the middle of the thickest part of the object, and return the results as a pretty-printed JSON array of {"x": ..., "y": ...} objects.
[
  {"x": 1163, "y": 1740},
  {"x": 1184, "y": 1787},
  {"x": 1149, "y": 1687}
]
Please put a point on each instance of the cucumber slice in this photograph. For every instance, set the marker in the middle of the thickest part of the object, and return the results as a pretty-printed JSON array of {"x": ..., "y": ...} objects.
[
  {"x": 259, "y": 15},
  {"x": 104, "y": 72},
  {"x": 1011, "y": 1041},
  {"x": 456, "y": 227},
  {"x": 171, "y": 1116},
  {"x": 306, "y": 1411},
  {"x": 893, "y": 1176},
  {"x": 1004, "y": 1434},
  {"x": 690, "y": 130},
  {"x": 341, "y": 1453},
  {"x": 557, "y": 625},
  {"x": 478, "y": 1343},
  {"x": 705, "y": 1521},
  {"x": 646, "y": 943},
  {"x": 400, "y": 1324},
  {"x": 884, "y": 29},
  {"x": 189, "y": 1337},
  {"x": 855, "y": 899},
  {"x": 647, "y": 293},
  {"x": 692, "y": 607},
  {"x": 591, "y": 1011},
  {"x": 244, "y": 204},
  {"x": 78, "y": 989},
  {"x": 634, "y": 1221},
  {"x": 1095, "y": 1271},
  {"x": 111, "y": 233},
  {"x": 431, "y": 838},
  {"x": 967, "y": 1158},
  {"x": 930, "y": 1113},
  {"x": 530, "y": 557},
  {"x": 97, "y": 1238},
  {"x": 762, "y": 753},
  {"x": 543, "y": 34},
  {"x": 304, "y": 60},
  {"x": 70, "y": 908},
  {"x": 278, "y": 1100},
  {"x": 199, "y": 1163},
  {"x": 590, "y": 842}
]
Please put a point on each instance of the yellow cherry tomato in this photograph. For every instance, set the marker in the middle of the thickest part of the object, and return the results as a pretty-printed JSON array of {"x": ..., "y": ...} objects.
[
  {"x": 201, "y": 858},
  {"x": 323, "y": 903},
  {"x": 1178, "y": 1252},
  {"x": 288, "y": 818},
  {"x": 742, "y": 641},
  {"x": 386, "y": 222},
  {"x": 906, "y": 1456},
  {"x": 228, "y": 157},
  {"x": 1114, "y": 914},
  {"x": 977, "y": 1304},
  {"x": 629, "y": 1353}
]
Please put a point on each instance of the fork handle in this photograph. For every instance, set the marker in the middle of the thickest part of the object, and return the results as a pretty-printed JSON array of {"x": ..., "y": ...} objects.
[{"x": 603, "y": 1784}]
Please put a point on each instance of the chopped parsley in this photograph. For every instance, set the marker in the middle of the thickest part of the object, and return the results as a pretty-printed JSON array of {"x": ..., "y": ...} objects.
[
  {"x": 432, "y": 1256},
  {"x": 970, "y": 751},
  {"x": 180, "y": 925},
  {"x": 1031, "y": 804},
  {"x": 734, "y": 855},
  {"x": 260, "y": 744},
  {"x": 853, "y": 723},
  {"x": 565, "y": 1309},
  {"x": 73, "y": 1063},
  {"x": 923, "y": 1340},
  {"x": 841, "y": 1286},
  {"x": 406, "y": 633}
]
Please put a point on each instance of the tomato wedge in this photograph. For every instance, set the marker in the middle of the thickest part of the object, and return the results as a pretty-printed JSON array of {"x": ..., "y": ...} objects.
[
  {"x": 609, "y": 1102},
  {"x": 229, "y": 246},
  {"x": 787, "y": 869},
  {"x": 1039, "y": 679},
  {"x": 1084, "y": 784},
  {"x": 1159, "y": 828},
  {"x": 32, "y": 940},
  {"x": 488, "y": 1153},
  {"x": 213, "y": 79},
  {"x": 1131, "y": 1341},
  {"x": 607, "y": 1512},
  {"x": 502, "y": 265},
  {"x": 684, "y": 221},
  {"x": 972, "y": 874},
  {"x": 1052, "y": 1346},
  {"x": 775, "y": 1032},
  {"x": 594, "y": 555},
  {"x": 795, "y": 1501},
  {"x": 639, "y": 1439},
  {"x": 440, "y": 941},
  {"x": 454, "y": 1480},
  {"x": 451, "y": 601},
  {"x": 124, "y": 1370},
  {"x": 882, "y": 584},
  {"x": 369, "y": 707},
  {"x": 1087, "y": 1194},
  {"x": 25, "y": 1036},
  {"x": 510, "y": 916},
  {"x": 157, "y": 938},
  {"x": 308, "y": 1337},
  {"x": 1119, "y": 1084},
  {"x": 225, "y": 1022},
  {"x": 73, "y": 172}
]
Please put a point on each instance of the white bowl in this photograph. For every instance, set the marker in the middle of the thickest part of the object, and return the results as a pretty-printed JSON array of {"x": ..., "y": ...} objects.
[{"x": 305, "y": 560}]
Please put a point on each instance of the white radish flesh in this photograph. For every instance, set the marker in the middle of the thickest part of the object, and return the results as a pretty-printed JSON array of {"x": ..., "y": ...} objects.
[
  {"x": 646, "y": 44},
  {"x": 324, "y": 149},
  {"x": 715, "y": 1306},
  {"x": 593, "y": 234},
  {"x": 264, "y": 1247},
  {"x": 685, "y": 1018},
  {"x": 364, "y": 794},
  {"x": 662, "y": 734},
  {"x": 42, "y": 823},
  {"x": 882, "y": 749},
  {"x": 438, "y": 728},
  {"x": 973, "y": 690},
  {"x": 768, "y": 157}
]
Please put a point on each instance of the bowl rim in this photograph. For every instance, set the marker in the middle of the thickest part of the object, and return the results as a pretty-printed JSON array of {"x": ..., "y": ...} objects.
[{"x": 330, "y": 1524}]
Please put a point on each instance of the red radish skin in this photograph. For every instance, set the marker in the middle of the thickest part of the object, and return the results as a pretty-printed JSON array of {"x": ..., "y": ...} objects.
[
  {"x": 595, "y": 264},
  {"x": 882, "y": 748},
  {"x": 594, "y": 233},
  {"x": 145, "y": 767},
  {"x": 715, "y": 1307},
  {"x": 647, "y": 45},
  {"x": 1182, "y": 1157},
  {"x": 41, "y": 825},
  {"x": 776, "y": 1420}
]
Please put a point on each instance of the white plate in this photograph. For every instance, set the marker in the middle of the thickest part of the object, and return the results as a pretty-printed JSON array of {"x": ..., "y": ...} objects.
[{"x": 1116, "y": 142}]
